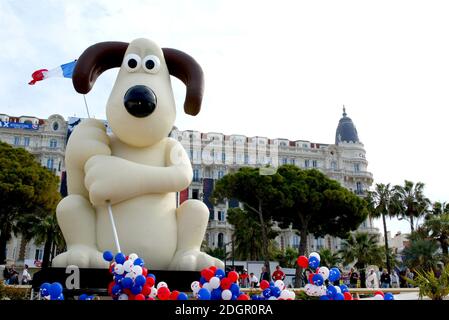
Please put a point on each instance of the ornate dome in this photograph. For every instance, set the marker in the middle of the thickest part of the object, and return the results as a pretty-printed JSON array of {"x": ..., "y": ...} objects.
[{"x": 346, "y": 131}]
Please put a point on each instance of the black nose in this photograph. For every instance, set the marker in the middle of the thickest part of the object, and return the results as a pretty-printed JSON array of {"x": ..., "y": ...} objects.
[{"x": 140, "y": 101}]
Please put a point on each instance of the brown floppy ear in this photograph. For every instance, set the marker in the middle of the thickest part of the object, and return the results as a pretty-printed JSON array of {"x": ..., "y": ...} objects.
[
  {"x": 186, "y": 69},
  {"x": 94, "y": 61}
]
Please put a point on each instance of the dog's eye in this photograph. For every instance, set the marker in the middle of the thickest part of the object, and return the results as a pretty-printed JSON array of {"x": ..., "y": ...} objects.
[
  {"x": 151, "y": 64},
  {"x": 132, "y": 62}
]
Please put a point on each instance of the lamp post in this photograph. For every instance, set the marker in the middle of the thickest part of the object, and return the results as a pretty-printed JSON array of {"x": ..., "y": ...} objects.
[{"x": 233, "y": 253}]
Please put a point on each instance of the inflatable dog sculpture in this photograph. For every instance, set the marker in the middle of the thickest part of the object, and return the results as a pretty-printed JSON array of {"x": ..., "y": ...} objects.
[{"x": 137, "y": 168}]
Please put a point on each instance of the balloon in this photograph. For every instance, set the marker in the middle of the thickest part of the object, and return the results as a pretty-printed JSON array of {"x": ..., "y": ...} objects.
[
  {"x": 344, "y": 288},
  {"x": 285, "y": 294},
  {"x": 225, "y": 283},
  {"x": 334, "y": 274},
  {"x": 123, "y": 297},
  {"x": 140, "y": 280},
  {"x": 203, "y": 294},
  {"x": 339, "y": 296},
  {"x": 139, "y": 297},
  {"x": 280, "y": 284},
  {"x": 61, "y": 297},
  {"x": 153, "y": 293},
  {"x": 308, "y": 289},
  {"x": 207, "y": 274},
  {"x": 314, "y": 262},
  {"x": 233, "y": 276},
  {"x": 331, "y": 291},
  {"x": 324, "y": 298},
  {"x": 207, "y": 286},
  {"x": 116, "y": 289},
  {"x": 303, "y": 262},
  {"x": 182, "y": 296},
  {"x": 55, "y": 290},
  {"x": 378, "y": 297},
  {"x": 338, "y": 289},
  {"x": 163, "y": 293},
  {"x": 214, "y": 282},
  {"x": 83, "y": 296},
  {"x": 127, "y": 265},
  {"x": 150, "y": 281},
  {"x": 243, "y": 297},
  {"x": 316, "y": 255},
  {"x": 139, "y": 262},
  {"x": 311, "y": 277},
  {"x": 324, "y": 271},
  {"x": 318, "y": 279},
  {"x": 133, "y": 256},
  {"x": 152, "y": 276},
  {"x": 267, "y": 293},
  {"x": 292, "y": 295},
  {"x": 144, "y": 271},
  {"x": 226, "y": 294},
  {"x": 127, "y": 283},
  {"x": 264, "y": 284},
  {"x": 213, "y": 268},
  {"x": 235, "y": 289},
  {"x": 275, "y": 291},
  {"x": 45, "y": 288},
  {"x": 136, "y": 289},
  {"x": 388, "y": 296},
  {"x": 379, "y": 292},
  {"x": 108, "y": 256},
  {"x": 120, "y": 258},
  {"x": 216, "y": 294},
  {"x": 347, "y": 295},
  {"x": 195, "y": 285},
  {"x": 146, "y": 290},
  {"x": 202, "y": 280},
  {"x": 219, "y": 273},
  {"x": 161, "y": 284}
]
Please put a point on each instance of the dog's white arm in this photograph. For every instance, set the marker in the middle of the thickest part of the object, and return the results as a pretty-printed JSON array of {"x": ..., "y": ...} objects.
[
  {"x": 88, "y": 139},
  {"x": 117, "y": 179}
]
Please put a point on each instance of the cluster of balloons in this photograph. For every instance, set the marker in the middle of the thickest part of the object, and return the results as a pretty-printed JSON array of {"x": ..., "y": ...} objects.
[
  {"x": 274, "y": 290},
  {"x": 132, "y": 281},
  {"x": 51, "y": 291},
  {"x": 317, "y": 281}
]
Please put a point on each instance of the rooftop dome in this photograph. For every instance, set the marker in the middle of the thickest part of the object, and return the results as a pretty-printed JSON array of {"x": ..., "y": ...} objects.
[{"x": 346, "y": 131}]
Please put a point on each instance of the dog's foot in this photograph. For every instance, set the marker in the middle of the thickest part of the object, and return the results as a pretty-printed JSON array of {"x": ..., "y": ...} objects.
[
  {"x": 82, "y": 257},
  {"x": 194, "y": 260}
]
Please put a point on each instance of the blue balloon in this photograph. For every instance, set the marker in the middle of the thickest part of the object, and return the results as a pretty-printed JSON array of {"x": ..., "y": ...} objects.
[
  {"x": 318, "y": 279},
  {"x": 339, "y": 296},
  {"x": 108, "y": 256},
  {"x": 118, "y": 278},
  {"x": 140, "y": 280},
  {"x": 388, "y": 296},
  {"x": 203, "y": 294},
  {"x": 271, "y": 283},
  {"x": 220, "y": 274},
  {"x": 324, "y": 298},
  {"x": 83, "y": 297},
  {"x": 136, "y": 289},
  {"x": 202, "y": 280},
  {"x": 127, "y": 283},
  {"x": 276, "y": 292},
  {"x": 120, "y": 258},
  {"x": 60, "y": 297},
  {"x": 267, "y": 293},
  {"x": 45, "y": 288},
  {"x": 235, "y": 289},
  {"x": 55, "y": 290},
  {"x": 254, "y": 297},
  {"x": 334, "y": 274},
  {"x": 182, "y": 296},
  {"x": 331, "y": 291},
  {"x": 116, "y": 289},
  {"x": 216, "y": 294},
  {"x": 314, "y": 262},
  {"x": 139, "y": 262},
  {"x": 152, "y": 276},
  {"x": 344, "y": 288},
  {"x": 234, "y": 297}
]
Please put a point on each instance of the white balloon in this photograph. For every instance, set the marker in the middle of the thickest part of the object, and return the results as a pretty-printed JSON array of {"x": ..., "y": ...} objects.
[
  {"x": 129, "y": 275},
  {"x": 280, "y": 284},
  {"x": 153, "y": 292},
  {"x": 272, "y": 298},
  {"x": 137, "y": 270},
  {"x": 338, "y": 289},
  {"x": 316, "y": 255},
  {"x": 207, "y": 286},
  {"x": 324, "y": 271},
  {"x": 161, "y": 284},
  {"x": 308, "y": 288},
  {"x": 195, "y": 290},
  {"x": 285, "y": 294},
  {"x": 195, "y": 284},
  {"x": 118, "y": 269},
  {"x": 214, "y": 282},
  {"x": 378, "y": 297},
  {"x": 226, "y": 294},
  {"x": 123, "y": 296},
  {"x": 133, "y": 256},
  {"x": 292, "y": 295},
  {"x": 128, "y": 264}
]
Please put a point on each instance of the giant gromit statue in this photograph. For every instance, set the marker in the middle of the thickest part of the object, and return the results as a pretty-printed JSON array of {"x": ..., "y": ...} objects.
[{"x": 137, "y": 169}]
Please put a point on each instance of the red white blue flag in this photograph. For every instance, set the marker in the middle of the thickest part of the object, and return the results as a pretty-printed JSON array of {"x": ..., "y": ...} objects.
[{"x": 64, "y": 70}]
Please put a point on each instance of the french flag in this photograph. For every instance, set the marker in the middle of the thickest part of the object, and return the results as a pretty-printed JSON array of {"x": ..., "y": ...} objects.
[{"x": 64, "y": 70}]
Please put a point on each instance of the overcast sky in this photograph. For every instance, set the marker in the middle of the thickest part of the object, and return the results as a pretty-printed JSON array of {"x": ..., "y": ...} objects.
[{"x": 280, "y": 69}]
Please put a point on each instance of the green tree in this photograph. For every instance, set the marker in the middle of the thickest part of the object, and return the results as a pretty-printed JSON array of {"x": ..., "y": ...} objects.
[
  {"x": 259, "y": 195},
  {"x": 329, "y": 258},
  {"x": 361, "y": 249},
  {"x": 313, "y": 203},
  {"x": 287, "y": 258},
  {"x": 219, "y": 253},
  {"x": 421, "y": 254},
  {"x": 25, "y": 188},
  {"x": 409, "y": 202},
  {"x": 437, "y": 226},
  {"x": 379, "y": 207}
]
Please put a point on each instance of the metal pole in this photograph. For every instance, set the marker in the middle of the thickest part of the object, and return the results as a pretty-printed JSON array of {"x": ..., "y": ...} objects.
[
  {"x": 114, "y": 230},
  {"x": 85, "y": 103}
]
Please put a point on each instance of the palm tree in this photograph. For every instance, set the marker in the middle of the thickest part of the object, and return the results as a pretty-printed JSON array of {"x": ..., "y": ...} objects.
[
  {"x": 421, "y": 254},
  {"x": 286, "y": 258},
  {"x": 329, "y": 258},
  {"x": 379, "y": 206},
  {"x": 409, "y": 201},
  {"x": 361, "y": 249},
  {"x": 438, "y": 228}
]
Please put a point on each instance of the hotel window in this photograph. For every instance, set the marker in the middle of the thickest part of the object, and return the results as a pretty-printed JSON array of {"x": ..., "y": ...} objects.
[
  {"x": 220, "y": 216},
  {"x": 196, "y": 175},
  {"x": 16, "y": 141},
  {"x": 295, "y": 241},
  {"x": 315, "y": 164},
  {"x": 220, "y": 174},
  {"x": 357, "y": 167},
  {"x": 334, "y": 165},
  {"x": 307, "y": 163},
  {"x": 359, "y": 189},
  {"x": 220, "y": 240},
  {"x": 26, "y": 141},
  {"x": 223, "y": 157},
  {"x": 50, "y": 163},
  {"x": 39, "y": 254},
  {"x": 53, "y": 143}
]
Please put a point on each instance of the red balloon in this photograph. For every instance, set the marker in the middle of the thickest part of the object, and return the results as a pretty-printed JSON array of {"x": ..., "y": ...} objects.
[
  {"x": 146, "y": 290},
  {"x": 311, "y": 277},
  {"x": 379, "y": 292},
  {"x": 150, "y": 281},
  {"x": 302, "y": 261},
  {"x": 347, "y": 295},
  {"x": 225, "y": 283},
  {"x": 243, "y": 297},
  {"x": 163, "y": 293},
  {"x": 264, "y": 284},
  {"x": 213, "y": 268},
  {"x": 233, "y": 276},
  {"x": 139, "y": 297},
  {"x": 111, "y": 267},
  {"x": 207, "y": 274},
  {"x": 174, "y": 295},
  {"x": 144, "y": 271},
  {"x": 150, "y": 298}
]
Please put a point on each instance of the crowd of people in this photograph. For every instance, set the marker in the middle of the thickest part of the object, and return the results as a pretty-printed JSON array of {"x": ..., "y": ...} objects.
[
  {"x": 11, "y": 276},
  {"x": 253, "y": 281}
]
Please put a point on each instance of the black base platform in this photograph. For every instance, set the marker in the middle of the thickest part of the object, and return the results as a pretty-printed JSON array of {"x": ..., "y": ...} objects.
[{"x": 95, "y": 281}]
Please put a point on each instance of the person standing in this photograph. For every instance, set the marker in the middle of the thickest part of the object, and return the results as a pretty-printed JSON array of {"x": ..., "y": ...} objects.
[
  {"x": 410, "y": 275},
  {"x": 253, "y": 281},
  {"x": 385, "y": 279},
  {"x": 264, "y": 274},
  {"x": 372, "y": 281},
  {"x": 353, "y": 278},
  {"x": 395, "y": 279},
  {"x": 244, "y": 278},
  {"x": 278, "y": 274},
  {"x": 26, "y": 276}
]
